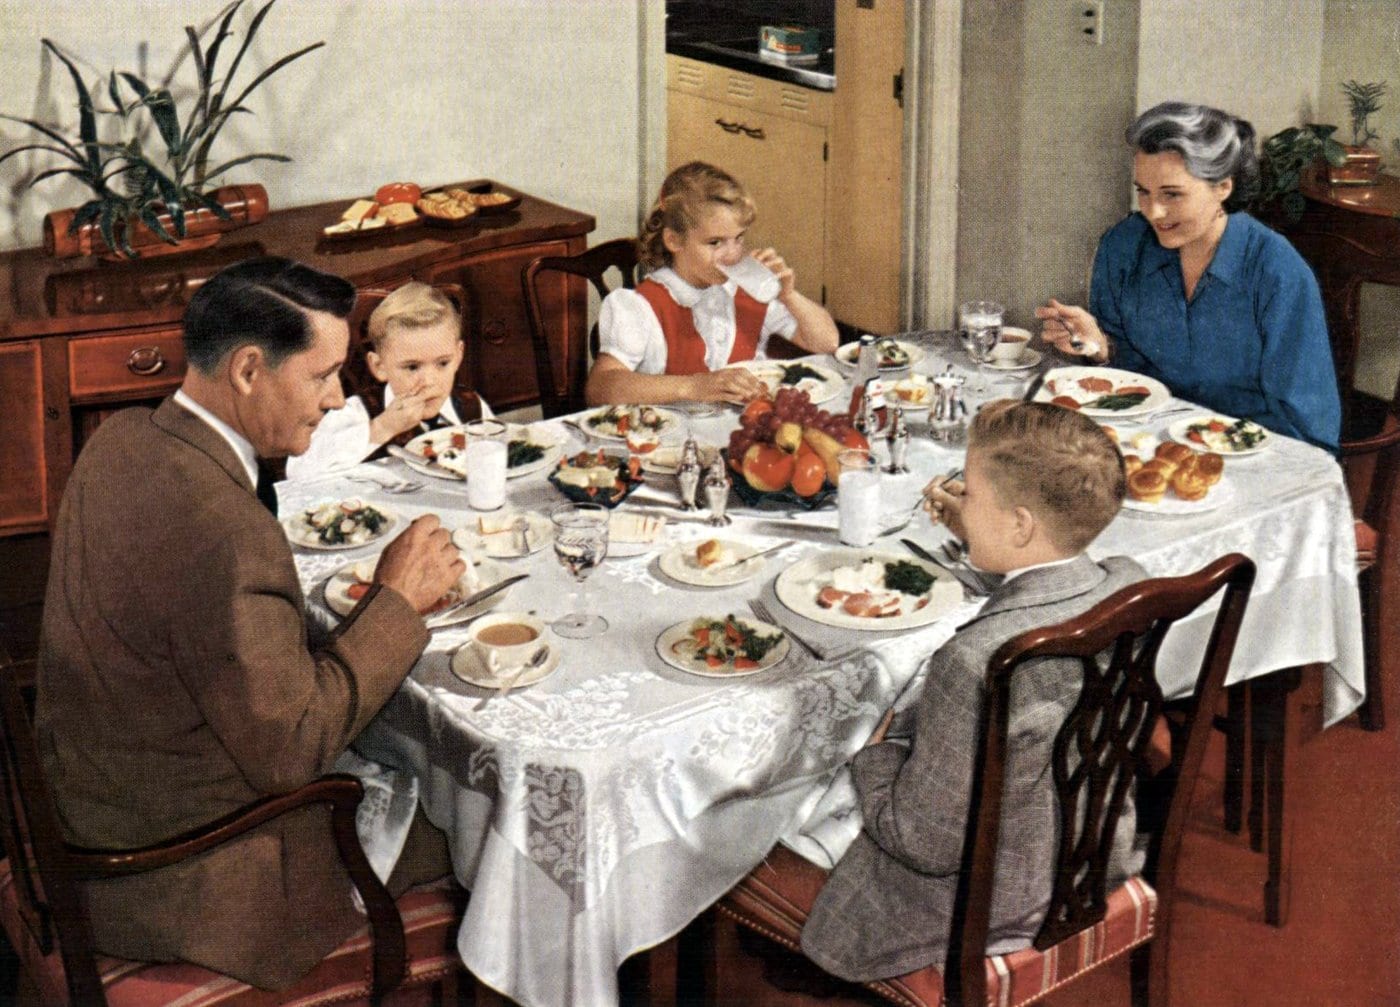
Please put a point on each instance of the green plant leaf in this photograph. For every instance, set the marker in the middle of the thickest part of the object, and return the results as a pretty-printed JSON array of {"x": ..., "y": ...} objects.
[
  {"x": 68, "y": 148},
  {"x": 87, "y": 212},
  {"x": 248, "y": 35},
  {"x": 1293, "y": 204},
  {"x": 70, "y": 154},
  {"x": 1322, "y": 130},
  {"x": 87, "y": 117},
  {"x": 244, "y": 160},
  {"x": 151, "y": 219},
  {"x": 212, "y": 205},
  {"x": 114, "y": 95},
  {"x": 222, "y": 118},
  {"x": 106, "y": 223},
  {"x": 1334, "y": 152},
  {"x": 161, "y": 105}
]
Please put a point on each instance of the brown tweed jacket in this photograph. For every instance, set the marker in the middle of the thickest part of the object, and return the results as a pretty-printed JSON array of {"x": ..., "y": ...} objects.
[
  {"x": 176, "y": 685},
  {"x": 887, "y": 906}
]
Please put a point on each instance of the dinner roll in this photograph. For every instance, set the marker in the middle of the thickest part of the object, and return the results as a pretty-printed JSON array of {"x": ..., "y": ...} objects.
[
  {"x": 1210, "y": 467},
  {"x": 1188, "y": 484},
  {"x": 1131, "y": 464},
  {"x": 1173, "y": 452},
  {"x": 1147, "y": 484}
]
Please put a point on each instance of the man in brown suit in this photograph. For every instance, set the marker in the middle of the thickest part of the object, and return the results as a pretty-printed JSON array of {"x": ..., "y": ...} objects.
[{"x": 176, "y": 683}]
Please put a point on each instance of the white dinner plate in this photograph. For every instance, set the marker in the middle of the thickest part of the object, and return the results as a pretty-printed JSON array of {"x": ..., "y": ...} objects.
[
  {"x": 299, "y": 533},
  {"x": 679, "y": 563},
  {"x": 1178, "y": 432},
  {"x": 467, "y": 666},
  {"x": 337, "y": 587},
  {"x": 797, "y": 587},
  {"x": 1069, "y": 381},
  {"x": 1028, "y": 358},
  {"x": 1171, "y": 506},
  {"x": 819, "y": 390},
  {"x": 539, "y": 532},
  {"x": 918, "y": 385},
  {"x": 441, "y": 440},
  {"x": 671, "y": 422},
  {"x": 847, "y": 355},
  {"x": 666, "y": 642}
]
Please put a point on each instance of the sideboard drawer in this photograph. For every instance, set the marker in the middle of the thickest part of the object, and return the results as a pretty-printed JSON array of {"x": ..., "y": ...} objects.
[{"x": 133, "y": 365}]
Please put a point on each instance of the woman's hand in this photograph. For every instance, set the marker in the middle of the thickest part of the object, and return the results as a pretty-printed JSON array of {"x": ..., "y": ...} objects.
[
  {"x": 943, "y": 503},
  {"x": 732, "y": 384},
  {"x": 1072, "y": 331},
  {"x": 786, "y": 277}
]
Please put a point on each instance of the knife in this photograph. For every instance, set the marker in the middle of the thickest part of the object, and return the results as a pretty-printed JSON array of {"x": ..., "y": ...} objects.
[
  {"x": 439, "y": 618},
  {"x": 1036, "y": 382},
  {"x": 752, "y": 555},
  {"x": 407, "y": 456},
  {"x": 961, "y": 576}
]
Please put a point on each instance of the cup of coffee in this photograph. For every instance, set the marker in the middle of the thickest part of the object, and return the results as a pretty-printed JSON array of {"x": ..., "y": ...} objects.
[
  {"x": 503, "y": 641},
  {"x": 1012, "y": 345}
]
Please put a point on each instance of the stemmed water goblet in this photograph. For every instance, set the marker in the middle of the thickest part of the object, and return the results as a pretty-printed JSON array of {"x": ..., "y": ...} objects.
[
  {"x": 979, "y": 327},
  {"x": 580, "y": 544}
]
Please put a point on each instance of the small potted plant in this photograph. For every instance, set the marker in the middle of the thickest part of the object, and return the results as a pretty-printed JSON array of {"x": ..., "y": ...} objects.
[
  {"x": 1363, "y": 163},
  {"x": 1286, "y": 159},
  {"x": 140, "y": 202}
]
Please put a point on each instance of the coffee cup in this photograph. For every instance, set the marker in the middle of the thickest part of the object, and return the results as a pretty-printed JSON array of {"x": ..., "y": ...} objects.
[
  {"x": 503, "y": 641},
  {"x": 1012, "y": 346}
]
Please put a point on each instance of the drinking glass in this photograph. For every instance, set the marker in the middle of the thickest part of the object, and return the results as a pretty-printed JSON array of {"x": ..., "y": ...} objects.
[
  {"x": 979, "y": 326},
  {"x": 580, "y": 544},
  {"x": 858, "y": 497},
  {"x": 486, "y": 461}
]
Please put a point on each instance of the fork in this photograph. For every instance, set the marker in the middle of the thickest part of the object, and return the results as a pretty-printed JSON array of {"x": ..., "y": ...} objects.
[
  {"x": 388, "y": 485},
  {"x": 956, "y": 552},
  {"x": 761, "y": 610}
]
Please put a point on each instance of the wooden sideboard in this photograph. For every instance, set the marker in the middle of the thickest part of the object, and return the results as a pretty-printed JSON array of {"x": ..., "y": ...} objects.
[{"x": 80, "y": 338}]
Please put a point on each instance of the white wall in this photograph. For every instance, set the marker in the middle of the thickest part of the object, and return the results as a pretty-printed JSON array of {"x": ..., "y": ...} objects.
[{"x": 544, "y": 96}]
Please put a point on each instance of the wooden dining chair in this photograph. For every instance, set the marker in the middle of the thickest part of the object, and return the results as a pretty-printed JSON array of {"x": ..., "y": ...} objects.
[
  {"x": 1100, "y": 749},
  {"x": 408, "y": 945},
  {"x": 355, "y": 375},
  {"x": 595, "y": 265}
]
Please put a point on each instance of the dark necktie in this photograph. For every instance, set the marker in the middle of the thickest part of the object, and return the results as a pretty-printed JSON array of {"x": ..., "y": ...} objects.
[{"x": 267, "y": 495}]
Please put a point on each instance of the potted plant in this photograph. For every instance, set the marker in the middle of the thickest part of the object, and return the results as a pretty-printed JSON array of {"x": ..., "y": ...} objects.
[
  {"x": 1285, "y": 160},
  {"x": 141, "y": 202},
  {"x": 1363, "y": 163}
]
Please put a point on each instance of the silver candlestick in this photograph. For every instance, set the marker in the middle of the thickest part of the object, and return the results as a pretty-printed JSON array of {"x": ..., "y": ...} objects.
[{"x": 716, "y": 487}]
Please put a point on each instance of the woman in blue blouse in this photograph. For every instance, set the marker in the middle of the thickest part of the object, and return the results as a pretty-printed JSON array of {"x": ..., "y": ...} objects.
[{"x": 1201, "y": 296}]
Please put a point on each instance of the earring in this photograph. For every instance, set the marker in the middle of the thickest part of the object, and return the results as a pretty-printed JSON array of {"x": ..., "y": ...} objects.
[{"x": 1219, "y": 212}]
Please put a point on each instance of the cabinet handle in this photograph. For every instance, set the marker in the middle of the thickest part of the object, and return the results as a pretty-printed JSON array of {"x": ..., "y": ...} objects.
[
  {"x": 495, "y": 332},
  {"x": 145, "y": 361},
  {"x": 755, "y": 132},
  {"x": 728, "y": 127}
]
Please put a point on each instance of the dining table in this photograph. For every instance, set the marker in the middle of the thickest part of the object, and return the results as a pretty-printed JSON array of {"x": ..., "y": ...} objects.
[{"x": 598, "y": 810}]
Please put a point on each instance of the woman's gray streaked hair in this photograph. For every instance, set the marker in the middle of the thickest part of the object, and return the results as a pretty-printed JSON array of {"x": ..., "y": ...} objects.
[{"x": 1215, "y": 145}]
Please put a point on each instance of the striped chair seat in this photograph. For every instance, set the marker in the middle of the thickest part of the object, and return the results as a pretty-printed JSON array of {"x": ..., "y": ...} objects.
[
  {"x": 431, "y": 914},
  {"x": 775, "y": 898}
]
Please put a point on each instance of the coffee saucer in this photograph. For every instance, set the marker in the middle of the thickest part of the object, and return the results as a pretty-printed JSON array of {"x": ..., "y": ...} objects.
[
  {"x": 1028, "y": 358},
  {"x": 467, "y": 666}
]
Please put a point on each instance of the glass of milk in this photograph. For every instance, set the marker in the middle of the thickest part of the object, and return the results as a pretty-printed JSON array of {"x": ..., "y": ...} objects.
[
  {"x": 485, "y": 462},
  {"x": 858, "y": 497},
  {"x": 754, "y": 278}
]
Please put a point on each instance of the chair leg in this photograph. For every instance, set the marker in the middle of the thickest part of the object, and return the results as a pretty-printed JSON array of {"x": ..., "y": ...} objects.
[
  {"x": 1379, "y": 646},
  {"x": 1233, "y": 726},
  {"x": 1260, "y": 710},
  {"x": 1268, "y": 739}
]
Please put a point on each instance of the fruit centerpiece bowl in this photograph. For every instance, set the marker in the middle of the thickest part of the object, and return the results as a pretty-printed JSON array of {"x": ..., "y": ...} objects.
[{"x": 784, "y": 451}]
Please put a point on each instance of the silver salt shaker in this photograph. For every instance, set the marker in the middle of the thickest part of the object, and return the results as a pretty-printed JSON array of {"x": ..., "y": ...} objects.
[
  {"x": 688, "y": 473},
  {"x": 898, "y": 442},
  {"x": 716, "y": 487}
]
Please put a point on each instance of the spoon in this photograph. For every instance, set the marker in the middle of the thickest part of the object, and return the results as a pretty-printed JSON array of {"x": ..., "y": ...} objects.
[{"x": 536, "y": 659}]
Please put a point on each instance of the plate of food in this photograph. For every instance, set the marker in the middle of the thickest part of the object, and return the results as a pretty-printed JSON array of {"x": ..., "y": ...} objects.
[
  {"x": 615, "y": 423},
  {"x": 1176, "y": 481},
  {"x": 339, "y": 524},
  {"x": 505, "y": 535},
  {"x": 892, "y": 354},
  {"x": 460, "y": 207},
  {"x": 1103, "y": 391},
  {"x": 821, "y": 384},
  {"x": 865, "y": 589},
  {"x": 345, "y": 587},
  {"x": 712, "y": 562},
  {"x": 723, "y": 647},
  {"x": 1223, "y": 435},
  {"x": 442, "y": 452},
  {"x": 912, "y": 394},
  {"x": 632, "y": 534},
  {"x": 597, "y": 477},
  {"x": 391, "y": 209}
]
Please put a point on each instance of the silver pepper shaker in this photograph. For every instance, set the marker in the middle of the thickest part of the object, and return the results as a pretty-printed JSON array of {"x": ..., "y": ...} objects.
[
  {"x": 688, "y": 473},
  {"x": 948, "y": 409},
  {"x": 717, "y": 492},
  {"x": 898, "y": 441}
]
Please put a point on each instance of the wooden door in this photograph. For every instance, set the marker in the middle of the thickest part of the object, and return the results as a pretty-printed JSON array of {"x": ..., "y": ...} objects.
[{"x": 780, "y": 161}]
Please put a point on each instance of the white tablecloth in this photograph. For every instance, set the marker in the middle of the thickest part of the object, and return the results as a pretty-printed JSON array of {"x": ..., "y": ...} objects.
[{"x": 599, "y": 811}]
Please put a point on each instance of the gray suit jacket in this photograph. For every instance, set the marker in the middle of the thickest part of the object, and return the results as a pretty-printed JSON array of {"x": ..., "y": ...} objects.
[
  {"x": 176, "y": 685},
  {"x": 887, "y": 906}
]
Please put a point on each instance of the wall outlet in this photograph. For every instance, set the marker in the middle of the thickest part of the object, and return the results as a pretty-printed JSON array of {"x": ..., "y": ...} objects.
[{"x": 1088, "y": 17}]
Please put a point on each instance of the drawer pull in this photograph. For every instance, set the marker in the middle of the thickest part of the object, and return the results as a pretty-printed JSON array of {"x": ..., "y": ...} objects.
[
  {"x": 495, "y": 332},
  {"x": 728, "y": 127},
  {"x": 755, "y": 132},
  {"x": 145, "y": 361}
]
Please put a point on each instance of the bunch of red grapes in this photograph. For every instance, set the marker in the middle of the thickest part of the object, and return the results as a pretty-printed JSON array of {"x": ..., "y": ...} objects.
[{"x": 789, "y": 405}]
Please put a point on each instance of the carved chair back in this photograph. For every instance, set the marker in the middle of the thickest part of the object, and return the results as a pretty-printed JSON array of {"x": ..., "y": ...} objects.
[
  {"x": 1096, "y": 756},
  {"x": 595, "y": 265}
]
